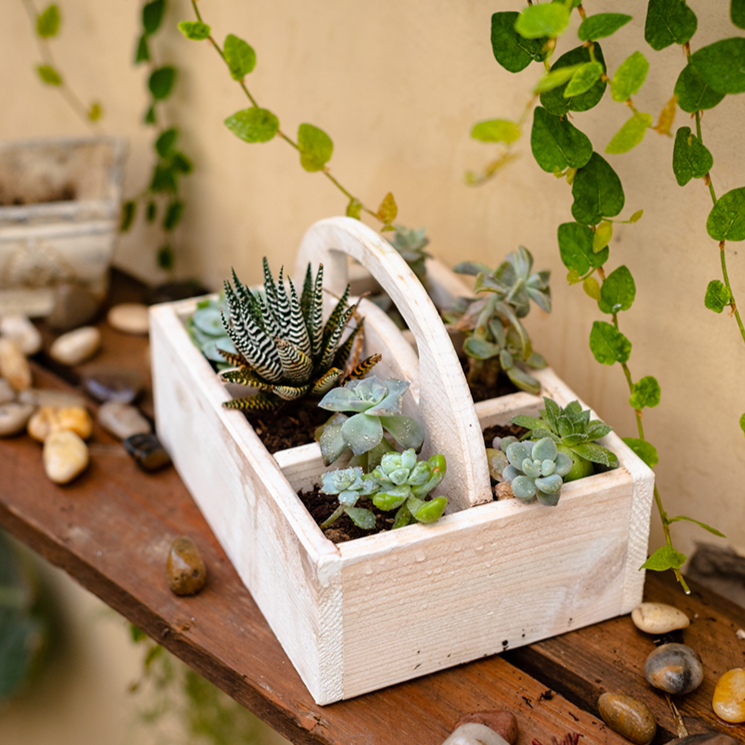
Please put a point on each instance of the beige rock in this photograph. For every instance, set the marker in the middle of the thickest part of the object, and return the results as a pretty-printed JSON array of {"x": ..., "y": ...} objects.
[
  {"x": 629, "y": 717},
  {"x": 56, "y": 399},
  {"x": 122, "y": 420},
  {"x": 65, "y": 456},
  {"x": 13, "y": 418},
  {"x": 48, "y": 420},
  {"x": 76, "y": 346},
  {"x": 14, "y": 366},
  {"x": 474, "y": 733},
  {"x": 658, "y": 618},
  {"x": 17, "y": 327},
  {"x": 729, "y": 696},
  {"x": 130, "y": 318},
  {"x": 6, "y": 392}
]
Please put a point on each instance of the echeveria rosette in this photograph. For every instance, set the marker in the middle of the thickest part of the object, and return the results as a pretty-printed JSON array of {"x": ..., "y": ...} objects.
[
  {"x": 574, "y": 433},
  {"x": 404, "y": 482},
  {"x": 350, "y": 484},
  {"x": 377, "y": 407},
  {"x": 207, "y": 333},
  {"x": 535, "y": 470}
]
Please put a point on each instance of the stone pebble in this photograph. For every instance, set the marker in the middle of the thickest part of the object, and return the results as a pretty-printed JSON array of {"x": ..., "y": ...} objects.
[
  {"x": 130, "y": 318},
  {"x": 109, "y": 383},
  {"x": 474, "y": 733},
  {"x": 49, "y": 420},
  {"x": 185, "y": 567},
  {"x": 73, "y": 306},
  {"x": 122, "y": 420},
  {"x": 65, "y": 456},
  {"x": 502, "y": 722},
  {"x": 13, "y": 418},
  {"x": 44, "y": 397},
  {"x": 658, "y": 618},
  {"x": 629, "y": 717},
  {"x": 17, "y": 327},
  {"x": 76, "y": 346},
  {"x": 729, "y": 696},
  {"x": 147, "y": 452},
  {"x": 14, "y": 366},
  {"x": 674, "y": 668},
  {"x": 7, "y": 394},
  {"x": 706, "y": 738}
]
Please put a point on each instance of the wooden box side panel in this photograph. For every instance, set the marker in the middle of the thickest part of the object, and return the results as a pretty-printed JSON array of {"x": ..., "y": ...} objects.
[
  {"x": 479, "y": 582},
  {"x": 297, "y": 587}
]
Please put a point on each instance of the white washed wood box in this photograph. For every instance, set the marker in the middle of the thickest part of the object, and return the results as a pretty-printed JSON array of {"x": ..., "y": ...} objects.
[
  {"x": 59, "y": 210},
  {"x": 375, "y": 611}
]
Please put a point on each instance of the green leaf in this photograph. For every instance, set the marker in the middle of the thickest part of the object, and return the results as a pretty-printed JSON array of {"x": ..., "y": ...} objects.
[
  {"x": 597, "y": 192},
  {"x": 555, "y": 101},
  {"x": 742, "y": 423},
  {"x": 646, "y": 393},
  {"x": 669, "y": 22},
  {"x": 693, "y": 93},
  {"x": 47, "y": 22},
  {"x": 480, "y": 349},
  {"x": 253, "y": 125},
  {"x": 722, "y": 65},
  {"x": 714, "y": 531},
  {"x": 165, "y": 142},
  {"x": 691, "y": 158},
  {"x": 718, "y": 297},
  {"x": 726, "y": 221},
  {"x": 240, "y": 57},
  {"x": 166, "y": 258},
  {"x": 663, "y": 559},
  {"x": 601, "y": 25},
  {"x": 161, "y": 82},
  {"x": 151, "y": 212},
  {"x": 496, "y": 130},
  {"x": 644, "y": 450},
  {"x": 538, "y": 21},
  {"x": 629, "y": 77},
  {"x": 583, "y": 79},
  {"x": 152, "y": 15},
  {"x": 143, "y": 53},
  {"x": 128, "y": 216},
  {"x": 737, "y": 13},
  {"x": 353, "y": 208},
  {"x": 512, "y": 51},
  {"x": 180, "y": 163},
  {"x": 608, "y": 345},
  {"x": 557, "y": 144},
  {"x": 194, "y": 30},
  {"x": 173, "y": 215},
  {"x": 592, "y": 288},
  {"x": 575, "y": 248},
  {"x": 636, "y": 216},
  {"x": 95, "y": 112},
  {"x": 596, "y": 454},
  {"x": 388, "y": 209},
  {"x": 49, "y": 75},
  {"x": 630, "y": 134},
  {"x": 602, "y": 236},
  {"x": 431, "y": 511},
  {"x": 618, "y": 292},
  {"x": 163, "y": 180},
  {"x": 315, "y": 146},
  {"x": 529, "y": 422},
  {"x": 361, "y": 517},
  {"x": 555, "y": 78}
]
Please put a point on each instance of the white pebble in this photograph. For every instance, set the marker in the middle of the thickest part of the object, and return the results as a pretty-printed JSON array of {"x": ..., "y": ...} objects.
[
  {"x": 6, "y": 392},
  {"x": 658, "y": 618},
  {"x": 122, "y": 420},
  {"x": 475, "y": 734},
  {"x": 17, "y": 327},
  {"x": 65, "y": 456},
  {"x": 76, "y": 346},
  {"x": 14, "y": 366},
  {"x": 13, "y": 418},
  {"x": 130, "y": 318},
  {"x": 740, "y": 633}
]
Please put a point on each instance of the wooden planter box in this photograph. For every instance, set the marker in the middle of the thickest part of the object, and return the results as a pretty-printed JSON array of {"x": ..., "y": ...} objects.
[
  {"x": 59, "y": 211},
  {"x": 375, "y": 611}
]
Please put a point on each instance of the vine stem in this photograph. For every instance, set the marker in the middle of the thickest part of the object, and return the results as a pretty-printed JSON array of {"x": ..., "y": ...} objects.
[{"x": 325, "y": 171}]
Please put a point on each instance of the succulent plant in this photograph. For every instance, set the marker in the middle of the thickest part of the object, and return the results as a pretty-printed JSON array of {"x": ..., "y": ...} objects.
[
  {"x": 403, "y": 484},
  {"x": 207, "y": 332},
  {"x": 535, "y": 470},
  {"x": 411, "y": 244},
  {"x": 377, "y": 407},
  {"x": 350, "y": 484},
  {"x": 574, "y": 433},
  {"x": 283, "y": 347},
  {"x": 495, "y": 337}
]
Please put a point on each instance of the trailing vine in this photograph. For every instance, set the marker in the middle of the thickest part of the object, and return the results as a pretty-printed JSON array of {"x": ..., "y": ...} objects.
[
  {"x": 161, "y": 198},
  {"x": 576, "y": 82},
  {"x": 46, "y": 26}
]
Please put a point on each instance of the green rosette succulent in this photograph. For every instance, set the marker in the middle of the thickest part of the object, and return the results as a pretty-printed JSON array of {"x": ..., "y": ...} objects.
[
  {"x": 535, "y": 470},
  {"x": 404, "y": 482},
  {"x": 410, "y": 244},
  {"x": 377, "y": 409},
  {"x": 350, "y": 484},
  {"x": 207, "y": 333},
  {"x": 574, "y": 433}
]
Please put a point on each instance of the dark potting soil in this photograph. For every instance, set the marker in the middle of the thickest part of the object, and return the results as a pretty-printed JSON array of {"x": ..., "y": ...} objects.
[
  {"x": 500, "y": 430},
  {"x": 483, "y": 392},
  {"x": 292, "y": 425}
]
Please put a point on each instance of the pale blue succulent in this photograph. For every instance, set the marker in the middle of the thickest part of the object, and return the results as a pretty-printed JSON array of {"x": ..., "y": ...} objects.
[
  {"x": 350, "y": 484},
  {"x": 535, "y": 469},
  {"x": 377, "y": 407}
]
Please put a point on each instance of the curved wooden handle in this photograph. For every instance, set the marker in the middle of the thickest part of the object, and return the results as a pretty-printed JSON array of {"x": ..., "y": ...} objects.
[{"x": 445, "y": 405}]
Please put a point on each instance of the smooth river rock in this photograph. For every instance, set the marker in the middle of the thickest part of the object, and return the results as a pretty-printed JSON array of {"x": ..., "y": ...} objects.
[
  {"x": 17, "y": 327},
  {"x": 629, "y": 717},
  {"x": 109, "y": 383},
  {"x": 185, "y": 567},
  {"x": 13, "y": 418},
  {"x": 48, "y": 420},
  {"x": 674, "y": 668},
  {"x": 729, "y": 696},
  {"x": 122, "y": 420},
  {"x": 130, "y": 318},
  {"x": 147, "y": 452},
  {"x": 706, "y": 738},
  {"x": 475, "y": 734},
  {"x": 56, "y": 399},
  {"x": 658, "y": 618},
  {"x": 502, "y": 722},
  {"x": 6, "y": 392},
  {"x": 76, "y": 346},
  {"x": 65, "y": 456},
  {"x": 14, "y": 366}
]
